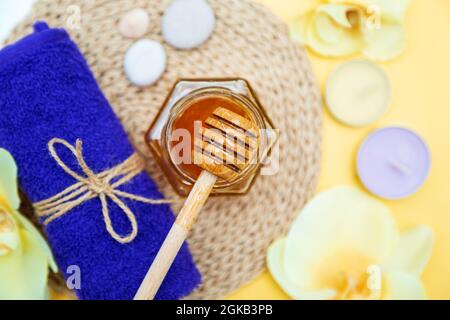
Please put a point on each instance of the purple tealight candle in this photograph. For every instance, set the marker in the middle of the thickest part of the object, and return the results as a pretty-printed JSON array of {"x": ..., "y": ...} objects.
[{"x": 393, "y": 162}]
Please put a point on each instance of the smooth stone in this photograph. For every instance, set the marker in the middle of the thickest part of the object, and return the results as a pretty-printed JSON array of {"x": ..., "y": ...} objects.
[
  {"x": 134, "y": 24},
  {"x": 187, "y": 24},
  {"x": 145, "y": 62}
]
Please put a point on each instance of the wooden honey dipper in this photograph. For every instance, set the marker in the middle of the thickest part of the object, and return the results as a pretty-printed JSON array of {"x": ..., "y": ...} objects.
[{"x": 229, "y": 145}]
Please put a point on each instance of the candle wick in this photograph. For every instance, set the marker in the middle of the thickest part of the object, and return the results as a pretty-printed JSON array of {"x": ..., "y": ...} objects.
[
  {"x": 400, "y": 166},
  {"x": 367, "y": 91}
]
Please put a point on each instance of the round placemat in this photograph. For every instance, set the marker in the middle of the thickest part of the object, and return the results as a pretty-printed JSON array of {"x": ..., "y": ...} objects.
[{"x": 230, "y": 239}]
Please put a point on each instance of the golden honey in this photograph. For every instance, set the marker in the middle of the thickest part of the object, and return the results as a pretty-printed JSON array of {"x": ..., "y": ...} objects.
[
  {"x": 196, "y": 100},
  {"x": 199, "y": 111}
]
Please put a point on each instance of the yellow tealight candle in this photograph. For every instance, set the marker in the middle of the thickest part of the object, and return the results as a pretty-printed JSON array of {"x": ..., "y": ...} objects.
[{"x": 358, "y": 93}]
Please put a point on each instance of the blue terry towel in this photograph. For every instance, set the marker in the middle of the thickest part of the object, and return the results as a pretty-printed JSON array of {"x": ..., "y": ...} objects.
[{"x": 47, "y": 91}]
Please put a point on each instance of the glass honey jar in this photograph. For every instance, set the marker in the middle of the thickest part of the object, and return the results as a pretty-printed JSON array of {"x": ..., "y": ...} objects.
[{"x": 191, "y": 101}]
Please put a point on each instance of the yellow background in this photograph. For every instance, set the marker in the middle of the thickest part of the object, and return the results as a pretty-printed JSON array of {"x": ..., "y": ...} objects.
[{"x": 421, "y": 101}]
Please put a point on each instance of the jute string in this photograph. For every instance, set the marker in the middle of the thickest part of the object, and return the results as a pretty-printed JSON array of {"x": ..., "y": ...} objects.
[{"x": 102, "y": 185}]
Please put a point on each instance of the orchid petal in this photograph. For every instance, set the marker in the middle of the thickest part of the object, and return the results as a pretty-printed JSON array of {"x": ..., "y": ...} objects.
[
  {"x": 24, "y": 273},
  {"x": 384, "y": 43},
  {"x": 338, "y": 13},
  {"x": 402, "y": 286},
  {"x": 275, "y": 259},
  {"x": 38, "y": 239},
  {"x": 338, "y": 41},
  {"x": 394, "y": 10},
  {"x": 9, "y": 196},
  {"x": 298, "y": 27},
  {"x": 413, "y": 252},
  {"x": 9, "y": 237},
  {"x": 340, "y": 223}
]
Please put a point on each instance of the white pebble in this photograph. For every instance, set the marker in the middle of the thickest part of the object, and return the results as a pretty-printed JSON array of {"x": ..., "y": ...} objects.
[
  {"x": 145, "y": 62},
  {"x": 187, "y": 24},
  {"x": 134, "y": 24}
]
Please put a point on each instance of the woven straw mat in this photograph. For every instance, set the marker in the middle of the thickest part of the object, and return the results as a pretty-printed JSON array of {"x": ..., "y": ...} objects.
[{"x": 230, "y": 239}]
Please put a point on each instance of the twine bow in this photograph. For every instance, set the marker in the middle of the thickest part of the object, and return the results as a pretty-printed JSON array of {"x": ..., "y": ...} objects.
[{"x": 102, "y": 185}]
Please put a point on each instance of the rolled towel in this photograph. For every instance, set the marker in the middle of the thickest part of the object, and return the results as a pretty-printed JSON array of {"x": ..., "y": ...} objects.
[{"x": 48, "y": 94}]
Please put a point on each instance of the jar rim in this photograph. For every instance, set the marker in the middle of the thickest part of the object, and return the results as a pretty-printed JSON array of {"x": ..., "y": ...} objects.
[{"x": 213, "y": 91}]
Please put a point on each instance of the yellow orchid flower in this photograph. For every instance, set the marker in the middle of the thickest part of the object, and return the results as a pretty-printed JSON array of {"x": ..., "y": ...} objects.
[
  {"x": 24, "y": 255},
  {"x": 338, "y": 28},
  {"x": 345, "y": 245}
]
